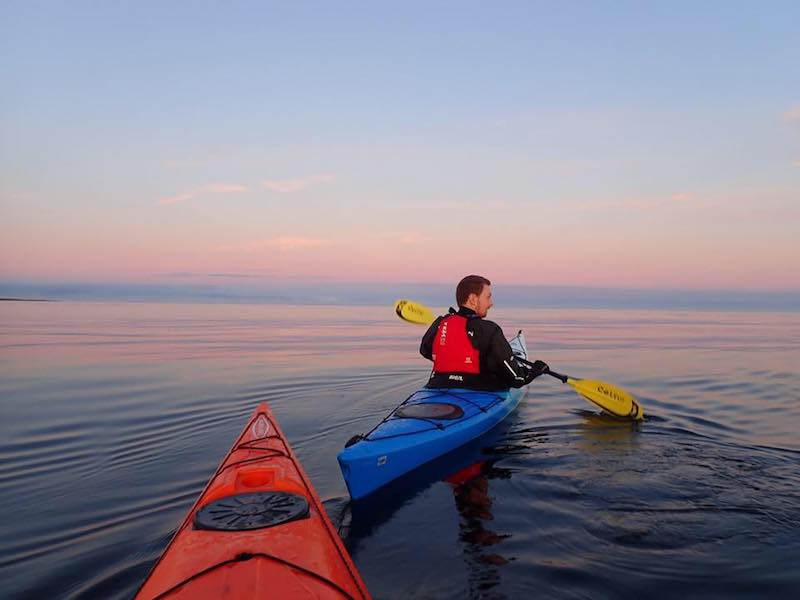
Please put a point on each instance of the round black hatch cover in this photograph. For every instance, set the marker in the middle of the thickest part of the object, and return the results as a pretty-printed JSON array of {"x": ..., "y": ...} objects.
[
  {"x": 429, "y": 410},
  {"x": 251, "y": 511}
]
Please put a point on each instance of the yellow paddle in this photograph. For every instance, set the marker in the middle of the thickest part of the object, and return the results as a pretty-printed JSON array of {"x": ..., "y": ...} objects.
[
  {"x": 610, "y": 398},
  {"x": 413, "y": 312}
]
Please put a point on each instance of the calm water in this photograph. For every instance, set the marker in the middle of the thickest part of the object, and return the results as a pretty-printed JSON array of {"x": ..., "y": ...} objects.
[{"x": 115, "y": 415}]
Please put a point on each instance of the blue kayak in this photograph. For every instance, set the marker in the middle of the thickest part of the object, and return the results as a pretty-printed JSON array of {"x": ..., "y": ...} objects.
[{"x": 428, "y": 424}]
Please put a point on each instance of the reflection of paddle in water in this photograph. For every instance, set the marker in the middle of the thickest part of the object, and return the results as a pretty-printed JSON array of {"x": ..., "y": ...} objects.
[
  {"x": 471, "y": 493},
  {"x": 603, "y": 434}
]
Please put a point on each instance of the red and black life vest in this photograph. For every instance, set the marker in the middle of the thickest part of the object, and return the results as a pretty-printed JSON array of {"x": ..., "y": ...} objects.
[{"x": 453, "y": 351}]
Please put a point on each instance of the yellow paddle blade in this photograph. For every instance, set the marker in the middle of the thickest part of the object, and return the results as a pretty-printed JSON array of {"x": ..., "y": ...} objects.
[
  {"x": 413, "y": 312},
  {"x": 610, "y": 398}
]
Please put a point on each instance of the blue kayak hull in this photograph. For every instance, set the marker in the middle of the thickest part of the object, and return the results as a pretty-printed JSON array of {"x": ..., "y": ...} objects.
[
  {"x": 414, "y": 434},
  {"x": 392, "y": 450}
]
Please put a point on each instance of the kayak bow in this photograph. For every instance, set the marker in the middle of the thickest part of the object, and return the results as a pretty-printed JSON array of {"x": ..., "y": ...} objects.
[{"x": 258, "y": 530}]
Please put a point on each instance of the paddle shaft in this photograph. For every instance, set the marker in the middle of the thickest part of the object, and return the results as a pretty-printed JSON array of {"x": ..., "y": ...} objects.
[{"x": 559, "y": 376}]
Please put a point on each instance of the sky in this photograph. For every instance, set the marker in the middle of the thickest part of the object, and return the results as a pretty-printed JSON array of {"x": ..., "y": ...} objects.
[{"x": 642, "y": 145}]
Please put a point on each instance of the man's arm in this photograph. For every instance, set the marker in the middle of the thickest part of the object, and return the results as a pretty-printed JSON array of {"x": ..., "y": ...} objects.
[
  {"x": 504, "y": 364},
  {"x": 426, "y": 347}
]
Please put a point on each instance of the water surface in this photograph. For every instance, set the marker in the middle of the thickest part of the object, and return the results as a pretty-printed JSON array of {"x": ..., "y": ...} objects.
[{"x": 115, "y": 415}]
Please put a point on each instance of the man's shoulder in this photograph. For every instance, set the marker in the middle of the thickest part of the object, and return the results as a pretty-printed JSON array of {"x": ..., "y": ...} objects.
[
  {"x": 486, "y": 326},
  {"x": 433, "y": 326}
]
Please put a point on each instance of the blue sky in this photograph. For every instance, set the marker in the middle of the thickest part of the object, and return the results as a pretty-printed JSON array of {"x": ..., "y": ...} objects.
[{"x": 615, "y": 144}]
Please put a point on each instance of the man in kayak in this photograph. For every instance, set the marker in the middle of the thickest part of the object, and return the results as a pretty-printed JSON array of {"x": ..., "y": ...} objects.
[{"x": 470, "y": 352}]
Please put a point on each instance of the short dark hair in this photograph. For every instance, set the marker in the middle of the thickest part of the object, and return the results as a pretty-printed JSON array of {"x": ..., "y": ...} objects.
[{"x": 471, "y": 284}]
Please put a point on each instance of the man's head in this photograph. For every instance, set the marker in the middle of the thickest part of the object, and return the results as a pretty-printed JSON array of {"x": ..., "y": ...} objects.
[{"x": 475, "y": 292}]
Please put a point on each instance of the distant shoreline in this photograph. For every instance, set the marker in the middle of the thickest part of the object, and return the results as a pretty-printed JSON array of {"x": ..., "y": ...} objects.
[{"x": 436, "y": 295}]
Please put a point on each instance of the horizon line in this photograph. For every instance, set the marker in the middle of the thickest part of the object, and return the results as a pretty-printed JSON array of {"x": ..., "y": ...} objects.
[{"x": 377, "y": 294}]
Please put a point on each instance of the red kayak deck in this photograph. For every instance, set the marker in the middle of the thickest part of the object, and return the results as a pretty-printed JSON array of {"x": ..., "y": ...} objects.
[{"x": 258, "y": 530}]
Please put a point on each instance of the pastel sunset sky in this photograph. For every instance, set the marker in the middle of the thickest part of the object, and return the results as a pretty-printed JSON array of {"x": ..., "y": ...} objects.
[{"x": 636, "y": 144}]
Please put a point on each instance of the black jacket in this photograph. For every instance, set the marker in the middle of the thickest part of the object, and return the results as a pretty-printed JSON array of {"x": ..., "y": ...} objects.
[{"x": 498, "y": 369}]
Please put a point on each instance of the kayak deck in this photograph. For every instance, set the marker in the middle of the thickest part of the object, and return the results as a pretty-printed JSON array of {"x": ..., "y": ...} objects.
[{"x": 258, "y": 530}]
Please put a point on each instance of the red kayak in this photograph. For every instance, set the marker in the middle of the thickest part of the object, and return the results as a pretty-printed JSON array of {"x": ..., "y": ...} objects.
[{"x": 257, "y": 531}]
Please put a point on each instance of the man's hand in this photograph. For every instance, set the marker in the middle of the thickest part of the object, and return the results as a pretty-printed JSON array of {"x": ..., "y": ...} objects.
[{"x": 533, "y": 371}]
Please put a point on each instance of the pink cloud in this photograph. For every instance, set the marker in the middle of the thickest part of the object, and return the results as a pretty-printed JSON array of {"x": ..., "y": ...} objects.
[
  {"x": 410, "y": 239},
  {"x": 295, "y": 242},
  {"x": 177, "y": 199},
  {"x": 212, "y": 188},
  {"x": 224, "y": 188},
  {"x": 288, "y": 186},
  {"x": 682, "y": 197},
  {"x": 640, "y": 204},
  {"x": 470, "y": 205},
  {"x": 792, "y": 115},
  {"x": 282, "y": 243}
]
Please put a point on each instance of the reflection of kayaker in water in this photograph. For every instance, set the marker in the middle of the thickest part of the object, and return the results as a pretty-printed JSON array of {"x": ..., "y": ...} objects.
[
  {"x": 470, "y": 352},
  {"x": 471, "y": 493}
]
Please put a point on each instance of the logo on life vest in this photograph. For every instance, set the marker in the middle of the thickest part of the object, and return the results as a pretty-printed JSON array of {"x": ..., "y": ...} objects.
[
  {"x": 468, "y": 360},
  {"x": 456, "y": 378},
  {"x": 443, "y": 335}
]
